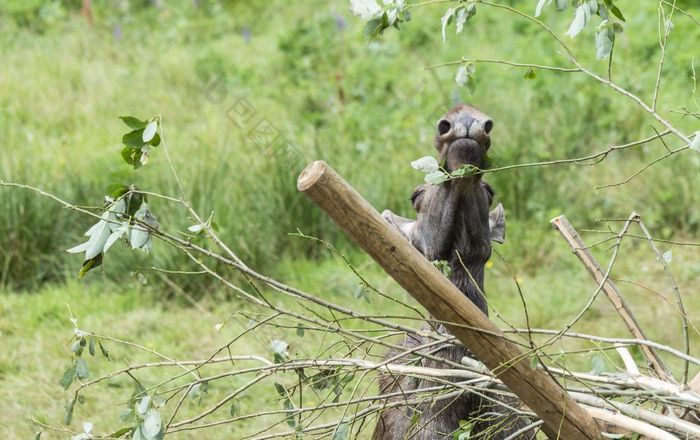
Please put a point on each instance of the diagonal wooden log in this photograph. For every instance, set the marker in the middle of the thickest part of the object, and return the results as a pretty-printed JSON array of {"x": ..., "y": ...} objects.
[
  {"x": 584, "y": 254},
  {"x": 563, "y": 417}
]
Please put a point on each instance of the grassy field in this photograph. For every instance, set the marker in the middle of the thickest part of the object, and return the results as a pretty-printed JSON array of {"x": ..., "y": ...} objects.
[
  {"x": 35, "y": 330},
  {"x": 368, "y": 109}
]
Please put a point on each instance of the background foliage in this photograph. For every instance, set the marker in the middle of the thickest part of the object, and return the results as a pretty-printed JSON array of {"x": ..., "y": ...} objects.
[{"x": 366, "y": 108}]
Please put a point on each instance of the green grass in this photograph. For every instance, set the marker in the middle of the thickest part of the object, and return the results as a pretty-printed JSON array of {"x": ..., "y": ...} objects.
[{"x": 35, "y": 330}]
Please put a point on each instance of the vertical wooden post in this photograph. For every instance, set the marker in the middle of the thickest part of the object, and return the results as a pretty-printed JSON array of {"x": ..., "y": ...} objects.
[
  {"x": 563, "y": 418},
  {"x": 578, "y": 247}
]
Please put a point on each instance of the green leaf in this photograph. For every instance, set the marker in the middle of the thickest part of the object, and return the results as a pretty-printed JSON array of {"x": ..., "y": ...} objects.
[
  {"x": 81, "y": 369},
  {"x": 76, "y": 348},
  {"x": 534, "y": 362},
  {"x": 104, "y": 351},
  {"x": 114, "y": 236},
  {"x": 68, "y": 412},
  {"x": 138, "y": 434},
  {"x": 195, "y": 229},
  {"x": 142, "y": 407},
  {"x": 415, "y": 418},
  {"x": 616, "y": 12},
  {"x": 149, "y": 131},
  {"x": 597, "y": 364},
  {"x": 128, "y": 415},
  {"x": 461, "y": 17},
  {"x": 280, "y": 389},
  {"x": 320, "y": 381},
  {"x": 91, "y": 347},
  {"x": 195, "y": 392},
  {"x": 361, "y": 292},
  {"x": 139, "y": 236},
  {"x": 342, "y": 432},
  {"x": 68, "y": 377},
  {"x": 128, "y": 155},
  {"x": 436, "y": 178},
  {"x": 37, "y": 436},
  {"x": 300, "y": 330},
  {"x": 427, "y": 164},
  {"x": 133, "y": 122},
  {"x": 541, "y": 4},
  {"x": 134, "y": 138},
  {"x": 90, "y": 264},
  {"x": 116, "y": 190},
  {"x": 152, "y": 425},
  {"x": 446, "y": 20},
  {"x": 347, "y": 379},
  {"x": 82, "y": 247},
  {"x": 579, "y": 21},
  {"x": 279, "y": 347},
  {"x": 562, "y": 4},
  {"x": 695, "y": 144},
  {"x": 120, "y": 432},
  {"x": 99, "y": 234},
  {"x": 291, "y": 420},
  {"x": 465, "y": 76},
  {"x": 592, "y": 7},
  {"x": 464, "y": 170},
  {"x": 530, "y": 73},
  {"x": 462, "y": 76},
  {"x": 667, "y": 257},
  {"x": 155, "y": 141},
  {"x": 604, "y": 42},
  {"x": 376, "y": 27},
  {"x": 444, "y": 267},
  {"x": 471, "y": 9},
  {"x": 464, "y": 13},
  {"x": 233, "y": 410}
]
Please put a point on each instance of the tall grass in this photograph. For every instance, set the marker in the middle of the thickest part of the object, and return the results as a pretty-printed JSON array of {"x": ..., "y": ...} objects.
[{"x": 368, "y": 109}]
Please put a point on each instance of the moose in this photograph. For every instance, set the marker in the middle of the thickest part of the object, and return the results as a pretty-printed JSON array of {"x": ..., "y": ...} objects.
[{"x": 453, "y": 224}]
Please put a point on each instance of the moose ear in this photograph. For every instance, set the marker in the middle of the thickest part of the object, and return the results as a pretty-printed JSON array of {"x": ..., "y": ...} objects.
[
  {"x": 401, "y": 224},
  {"x": 497, "y": 224}
]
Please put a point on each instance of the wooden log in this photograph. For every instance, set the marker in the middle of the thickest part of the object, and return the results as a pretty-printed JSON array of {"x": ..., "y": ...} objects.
[
  {"x": 563, "y": 417},
  {"x": 578, "y": 247}
]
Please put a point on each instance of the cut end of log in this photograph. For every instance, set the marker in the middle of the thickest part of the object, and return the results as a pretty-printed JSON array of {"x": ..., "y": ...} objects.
[
  {"x": 311, "y": 175},
  {"x": 556, "y": 221}
]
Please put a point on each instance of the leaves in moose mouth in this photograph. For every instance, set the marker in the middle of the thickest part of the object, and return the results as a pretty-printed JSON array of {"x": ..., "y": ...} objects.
[
  {"x": 427, "y": 164},
  {"x": 436, "y": 177}
]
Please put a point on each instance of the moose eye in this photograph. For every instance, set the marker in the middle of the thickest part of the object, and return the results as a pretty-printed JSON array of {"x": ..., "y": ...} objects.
[{"x": 443, "y": 126}]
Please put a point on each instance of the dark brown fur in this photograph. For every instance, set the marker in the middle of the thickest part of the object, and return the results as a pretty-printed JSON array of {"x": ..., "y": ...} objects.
[{"x": 452, "y": 223}]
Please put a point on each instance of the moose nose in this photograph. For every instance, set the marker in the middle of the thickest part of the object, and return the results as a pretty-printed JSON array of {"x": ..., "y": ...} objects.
[
  {"x": 475, "y": 128},
  {"x": 488, "y": 125},
  {"x": 480, "y": 128}
]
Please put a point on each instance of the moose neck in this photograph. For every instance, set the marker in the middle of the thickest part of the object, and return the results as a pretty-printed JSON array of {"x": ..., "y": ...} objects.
[{"x": 471, "y": 242}]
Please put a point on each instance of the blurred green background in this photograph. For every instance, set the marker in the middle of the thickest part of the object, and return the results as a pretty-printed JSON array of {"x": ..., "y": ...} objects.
[{"x": 366, "y": 108}]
